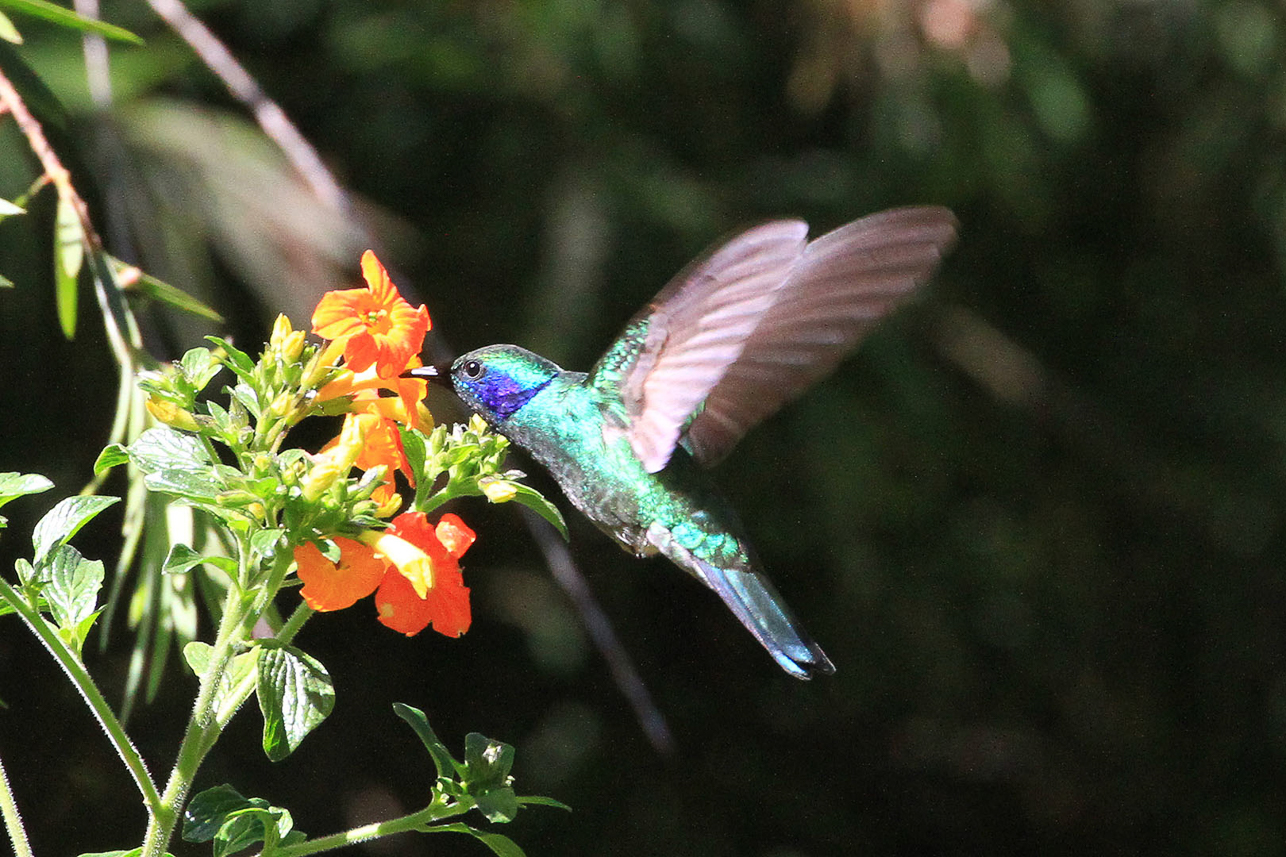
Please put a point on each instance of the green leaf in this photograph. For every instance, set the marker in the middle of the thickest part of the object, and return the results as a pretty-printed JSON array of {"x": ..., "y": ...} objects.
[
  {"x": 527, "y": 496},
  {"x": 8, "y": 208},
  {"x": 539, "y": 800},
  {"x": 197, "y": 485},
  {"x": 235, "y": 359},
  {"x": 63, "y": 521},
  {"x": 182, "y": 558},
  {"x": 498, "y": 805},
  {"x": 113, "y": 455},
  {"x": 161, "y": 291},
  {"x": 69, "y": 256},
  {"x": 487, "y": 761},
  {"x": 162, "y": 447},
  {"x": 233, "y": 821},
  {"x": 207, "y": 811},
  {"x": 442, "y": 759},
  {"x": 295, "y": 696},
  {"x": 245, "y": 827},
  {"x": 499, "y": 844},
  {"x": 66, "y": 18},
  {"x": 5, "y": 282},
  {"x": 72, "y": 590},
  {"x": 197, "y": 655},
  {"x": 15, "y": 485}
]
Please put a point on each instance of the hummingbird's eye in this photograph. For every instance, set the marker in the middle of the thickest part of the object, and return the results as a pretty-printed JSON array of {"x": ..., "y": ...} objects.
[{"x": 473, "y": 370}]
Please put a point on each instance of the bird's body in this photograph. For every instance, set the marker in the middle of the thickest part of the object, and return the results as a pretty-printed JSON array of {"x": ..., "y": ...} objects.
[{"x": 732, "y": 338}]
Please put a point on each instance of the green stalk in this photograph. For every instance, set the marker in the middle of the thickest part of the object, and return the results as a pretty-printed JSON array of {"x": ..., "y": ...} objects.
[
  {"x": 405, "y": 824},
  {"x": 202, "y": 727},
  {"x": 12, "y": 821},
  {"x": 89, "y": 691}
]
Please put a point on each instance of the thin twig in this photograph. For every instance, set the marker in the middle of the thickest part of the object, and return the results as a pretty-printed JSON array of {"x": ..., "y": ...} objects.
[{"x": 271, "y": 118}]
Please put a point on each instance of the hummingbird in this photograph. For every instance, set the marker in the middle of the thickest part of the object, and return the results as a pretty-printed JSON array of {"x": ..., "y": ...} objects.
[{"x": 733, "y": 337}]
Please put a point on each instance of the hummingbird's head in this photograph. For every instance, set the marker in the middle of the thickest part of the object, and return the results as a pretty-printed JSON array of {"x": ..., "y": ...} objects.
[{"x": 498, "y": 380}]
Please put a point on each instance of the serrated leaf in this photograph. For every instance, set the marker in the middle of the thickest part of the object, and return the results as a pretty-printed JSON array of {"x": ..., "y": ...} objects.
[
  {"x": 63, "y": 521},
  {"x": 113, "y": 455},
  {"x": 182, "y": 558},
  {"x": 295, "y": 695},
  {"x": 56, "y": 14},
  {"x": 15, "y": 485},
  {"x": 442, "y": 760},
  {"x": 500, "y": 845},
  {"x": 162, "y": 447},
  {"x": 69, "y": 256}
]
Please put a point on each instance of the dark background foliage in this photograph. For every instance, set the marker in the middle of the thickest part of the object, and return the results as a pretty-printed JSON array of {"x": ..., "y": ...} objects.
[{"x": 1036, "y": 521}]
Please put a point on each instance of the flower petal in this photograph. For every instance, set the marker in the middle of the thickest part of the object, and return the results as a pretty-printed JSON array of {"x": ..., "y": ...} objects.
[{"x": 331, "y": 586}]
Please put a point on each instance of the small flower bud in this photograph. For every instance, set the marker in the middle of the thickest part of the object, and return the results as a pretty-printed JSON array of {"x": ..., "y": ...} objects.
[{"x": 171, "y": 414}]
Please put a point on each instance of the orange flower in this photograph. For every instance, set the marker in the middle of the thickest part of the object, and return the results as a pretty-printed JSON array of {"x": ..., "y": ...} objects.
[
  {"x": 331, "y": 586},
  {"x": 403, "y": 406},
  {"x": 427, "y": 585},
  {"x": 413, "y": 568},
  {"x": 378, "y": 327}
]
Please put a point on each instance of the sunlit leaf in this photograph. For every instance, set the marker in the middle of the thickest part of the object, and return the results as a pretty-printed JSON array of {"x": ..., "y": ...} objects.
[
  {"x": 8, "y": 208},
  {"x": 62, "y": 521},
  {"x": 15, "y": 485},
  {"x": 295, "y": 696}
]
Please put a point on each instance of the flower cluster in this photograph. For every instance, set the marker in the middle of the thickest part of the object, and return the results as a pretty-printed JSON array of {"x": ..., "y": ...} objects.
[{"x": 412, "y": 567}]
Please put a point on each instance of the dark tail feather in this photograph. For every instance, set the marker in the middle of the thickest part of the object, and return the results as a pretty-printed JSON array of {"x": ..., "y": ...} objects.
[{"x": 754, "y": 601}]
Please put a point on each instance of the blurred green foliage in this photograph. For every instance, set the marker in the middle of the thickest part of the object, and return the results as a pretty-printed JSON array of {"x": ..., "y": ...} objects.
[{"x": 1036, "y": 522}]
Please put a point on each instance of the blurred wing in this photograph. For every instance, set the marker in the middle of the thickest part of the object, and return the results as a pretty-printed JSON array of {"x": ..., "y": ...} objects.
[
  {"x": 843, "y": 283},
  {"x": 677, "y": 349}
]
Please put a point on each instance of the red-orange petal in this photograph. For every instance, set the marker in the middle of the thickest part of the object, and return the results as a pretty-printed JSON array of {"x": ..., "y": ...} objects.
[
  {"x": 454, "y": 534},
  {"x": 446, "y": 605},
  {"x": 331, "y": 586}
]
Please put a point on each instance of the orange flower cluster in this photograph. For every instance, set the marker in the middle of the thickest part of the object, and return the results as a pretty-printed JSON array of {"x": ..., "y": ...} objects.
[{"x": 413, "y": 568}]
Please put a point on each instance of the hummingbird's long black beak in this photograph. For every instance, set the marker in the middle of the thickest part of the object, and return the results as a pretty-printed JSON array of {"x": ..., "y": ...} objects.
[{"x": 437, "y": 373}]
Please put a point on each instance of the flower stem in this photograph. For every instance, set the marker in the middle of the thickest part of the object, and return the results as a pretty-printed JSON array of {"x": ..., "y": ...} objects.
[
  {"x": 12, "y": 821},
  {"x": 414, "y": 821},
  {"x": 89, "y": 691}
]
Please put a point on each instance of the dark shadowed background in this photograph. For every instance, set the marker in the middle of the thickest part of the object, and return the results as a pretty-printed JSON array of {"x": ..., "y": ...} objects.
[{"x": 1036, "y": 521}]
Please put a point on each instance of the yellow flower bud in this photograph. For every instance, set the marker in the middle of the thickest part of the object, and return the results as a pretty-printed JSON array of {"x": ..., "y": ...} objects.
[
  {"x": 498, "y": 490},
  {"x": 171, "y": 414}
]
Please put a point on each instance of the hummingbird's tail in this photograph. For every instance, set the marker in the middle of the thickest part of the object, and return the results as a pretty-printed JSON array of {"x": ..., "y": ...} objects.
[{"x": 756, "y": 603}]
